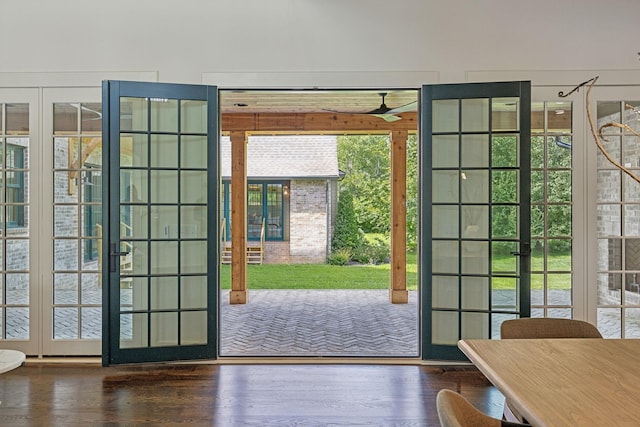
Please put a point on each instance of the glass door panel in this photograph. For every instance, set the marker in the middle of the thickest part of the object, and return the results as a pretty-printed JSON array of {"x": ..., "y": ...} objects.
[
  {"x": 475, "y": 192},
  {"x": 18, "y": 232},
  {"x": 162, "y": 278},
  {"x": 616, "y": 112},
  {"x": 72, "y": 307}
]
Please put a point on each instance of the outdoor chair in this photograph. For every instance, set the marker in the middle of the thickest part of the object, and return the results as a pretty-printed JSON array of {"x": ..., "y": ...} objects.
[
  {"x": 539, "y": 328},
  {"x": 456, "y": 411}
]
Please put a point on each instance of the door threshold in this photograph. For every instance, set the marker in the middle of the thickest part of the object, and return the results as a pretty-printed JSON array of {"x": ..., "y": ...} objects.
[
  {"x": 264, "y": 361},
  {"x": 284, "y": 360}
]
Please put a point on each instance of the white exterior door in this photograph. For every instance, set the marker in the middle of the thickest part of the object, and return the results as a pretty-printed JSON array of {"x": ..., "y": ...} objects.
[
  {"x": 20, "y": 229},
  {"x": 72, "y": 219}
]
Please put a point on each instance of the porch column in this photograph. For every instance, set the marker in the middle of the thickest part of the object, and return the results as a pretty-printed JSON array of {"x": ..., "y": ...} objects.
[
  {"x": 238, "y": 294},
  {"x": 398, "y": 292}
]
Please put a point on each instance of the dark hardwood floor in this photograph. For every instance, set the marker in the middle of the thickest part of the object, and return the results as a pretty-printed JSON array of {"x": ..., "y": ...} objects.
[{"x": 48, "y": 394}]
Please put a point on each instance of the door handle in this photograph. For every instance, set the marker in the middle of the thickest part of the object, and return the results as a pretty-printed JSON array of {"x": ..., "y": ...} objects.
[
  {"x": 524, "y": 251},
  {"x": 119, "y": 253},
  {"x": 114, "y": 254}
]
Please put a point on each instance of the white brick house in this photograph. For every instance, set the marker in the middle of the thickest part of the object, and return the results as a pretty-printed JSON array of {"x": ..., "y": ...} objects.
[{"x": 292, "y": 185}]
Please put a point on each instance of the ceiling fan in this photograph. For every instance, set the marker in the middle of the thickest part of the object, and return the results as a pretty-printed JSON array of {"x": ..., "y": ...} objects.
[{"x": 384, "y": 112}]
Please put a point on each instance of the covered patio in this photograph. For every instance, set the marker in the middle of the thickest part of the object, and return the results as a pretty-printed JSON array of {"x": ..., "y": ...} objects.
[{"x": 272, "y": 112}]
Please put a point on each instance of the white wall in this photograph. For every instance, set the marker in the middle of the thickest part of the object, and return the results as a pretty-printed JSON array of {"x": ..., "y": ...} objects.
[{"x": 180, "y": 40}]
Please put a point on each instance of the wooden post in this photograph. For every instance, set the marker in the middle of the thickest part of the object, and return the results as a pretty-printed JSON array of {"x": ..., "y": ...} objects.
[
  {"x": 238, "y": 293},
  {"x": 398, "y": 291}
]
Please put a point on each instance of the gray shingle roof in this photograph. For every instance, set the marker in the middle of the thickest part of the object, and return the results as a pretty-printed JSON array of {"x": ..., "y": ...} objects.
[{"x": 286, "y": 156}]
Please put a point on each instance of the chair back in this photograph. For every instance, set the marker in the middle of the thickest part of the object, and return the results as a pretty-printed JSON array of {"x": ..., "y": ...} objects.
[
  {"x": 530, "y": 327},
  {"x": 456, "y": 411}
]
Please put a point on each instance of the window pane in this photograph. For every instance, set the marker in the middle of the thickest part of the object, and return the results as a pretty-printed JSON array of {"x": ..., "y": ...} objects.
[
  {"x": 445, "y": 221},
  {"x": 559, "y": 117},
  {"x": 444, "y": 292},
  {"x": 474, "y": 186},
  {"x": 134, "y": 150},
  {"x": 504, "y": 151},
  {"x": 164, "y": 151},
  {"x": 559, "y": 186},
  {"x": 559, "y": 152},
  {"x": 445, "y": 186},
  {"x": 65, "y": 119},
  {"x": 193, "y": 116},
  {"x": 194, "y": 221},
  {"x": 445, "y": 115},
  {"x": 91, "y": 152},
  {"x": 504, "y": 186},
  {"x": 193, "y": 151},
  {"x": 164, "y": 186},
  {"x": 91, "y": 117},
  {"x": 134, "y": 114},
  {"x": 445, "y": 151},
  {"x": 274, "y": 211},
  {"x": 164, "y": 115},
  {"x": 193, "y": 186},
  {"x": 505, "y": 114},
  {"x": 475, "y": 115},
  {"x": 475, "y": 150},
  {"x": 254, "y": 210},
  {"x": 17, "y": 119},
  {"x": 537, "y": 117}
]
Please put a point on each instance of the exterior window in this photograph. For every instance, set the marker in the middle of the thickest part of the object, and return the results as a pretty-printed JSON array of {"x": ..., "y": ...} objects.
[
  {"x": 264, "y": 207},
  {"x": 15, "y": 186},
  {"x": 274, "y": 211},
  {"x": 255, "y": 210}
]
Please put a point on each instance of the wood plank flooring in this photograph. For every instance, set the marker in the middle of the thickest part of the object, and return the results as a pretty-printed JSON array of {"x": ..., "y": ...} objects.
[{"x": 48, "y": 394}]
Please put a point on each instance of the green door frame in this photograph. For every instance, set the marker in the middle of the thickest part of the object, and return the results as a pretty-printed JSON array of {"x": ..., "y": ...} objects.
[
  {"x": 112, "y": 352},
  {"x": 457, "y": 313}
]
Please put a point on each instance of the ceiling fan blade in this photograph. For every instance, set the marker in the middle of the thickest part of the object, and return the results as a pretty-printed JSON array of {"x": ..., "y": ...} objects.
[
  {"x": 383, "y": 116},
  {"x": 412, "y": 106},
  {"x": 387, "y": 117},
  {"x": 385, "y": 113}
]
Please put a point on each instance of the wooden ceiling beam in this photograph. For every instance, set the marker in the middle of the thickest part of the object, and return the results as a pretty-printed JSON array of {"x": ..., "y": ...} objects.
[
  {"x": 316, "y": 123},
  {"x": 351, "y": 123}
]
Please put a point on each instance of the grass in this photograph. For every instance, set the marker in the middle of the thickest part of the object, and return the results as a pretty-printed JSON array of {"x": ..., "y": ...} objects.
[
  {"x": 557, "y": 262},
  {"x": 319, "y": 276},
  {"x": 325, "y": 276}
]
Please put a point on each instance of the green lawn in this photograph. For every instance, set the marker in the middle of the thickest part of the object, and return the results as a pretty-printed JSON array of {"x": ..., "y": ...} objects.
[
  {"x": 557, "y": 263},
  {"x": 325, "y": 276},
  {"x": 320, "y": 276}
]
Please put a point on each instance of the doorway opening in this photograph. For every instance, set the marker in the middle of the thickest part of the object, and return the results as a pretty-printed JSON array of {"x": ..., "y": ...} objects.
[{"x": 308, "y": 293}]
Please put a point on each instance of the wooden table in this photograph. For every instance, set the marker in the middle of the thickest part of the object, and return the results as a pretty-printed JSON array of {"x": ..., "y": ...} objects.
[{"x": 564, "y": 382}]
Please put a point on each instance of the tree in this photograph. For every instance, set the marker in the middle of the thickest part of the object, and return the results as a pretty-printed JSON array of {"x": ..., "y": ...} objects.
[
  {"x": 366, "y": 161},
  {"x": 412, "y": 192}
]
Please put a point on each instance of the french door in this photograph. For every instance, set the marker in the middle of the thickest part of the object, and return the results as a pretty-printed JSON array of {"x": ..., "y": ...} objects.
[
  {"x": 72, "y": 221},
  {"x": 160, "y": 255},
  {"x": 475, "y": 228},
  {"x": 20, "y": 229},
  {"x": 615, "y": 262}
]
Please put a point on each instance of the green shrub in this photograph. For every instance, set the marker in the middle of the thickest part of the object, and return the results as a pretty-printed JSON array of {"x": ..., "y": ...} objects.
[
  {"x": 339, "y": 257},
  {"x": 375, "y": 252},
  {"x": 347, "y": 234}
]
